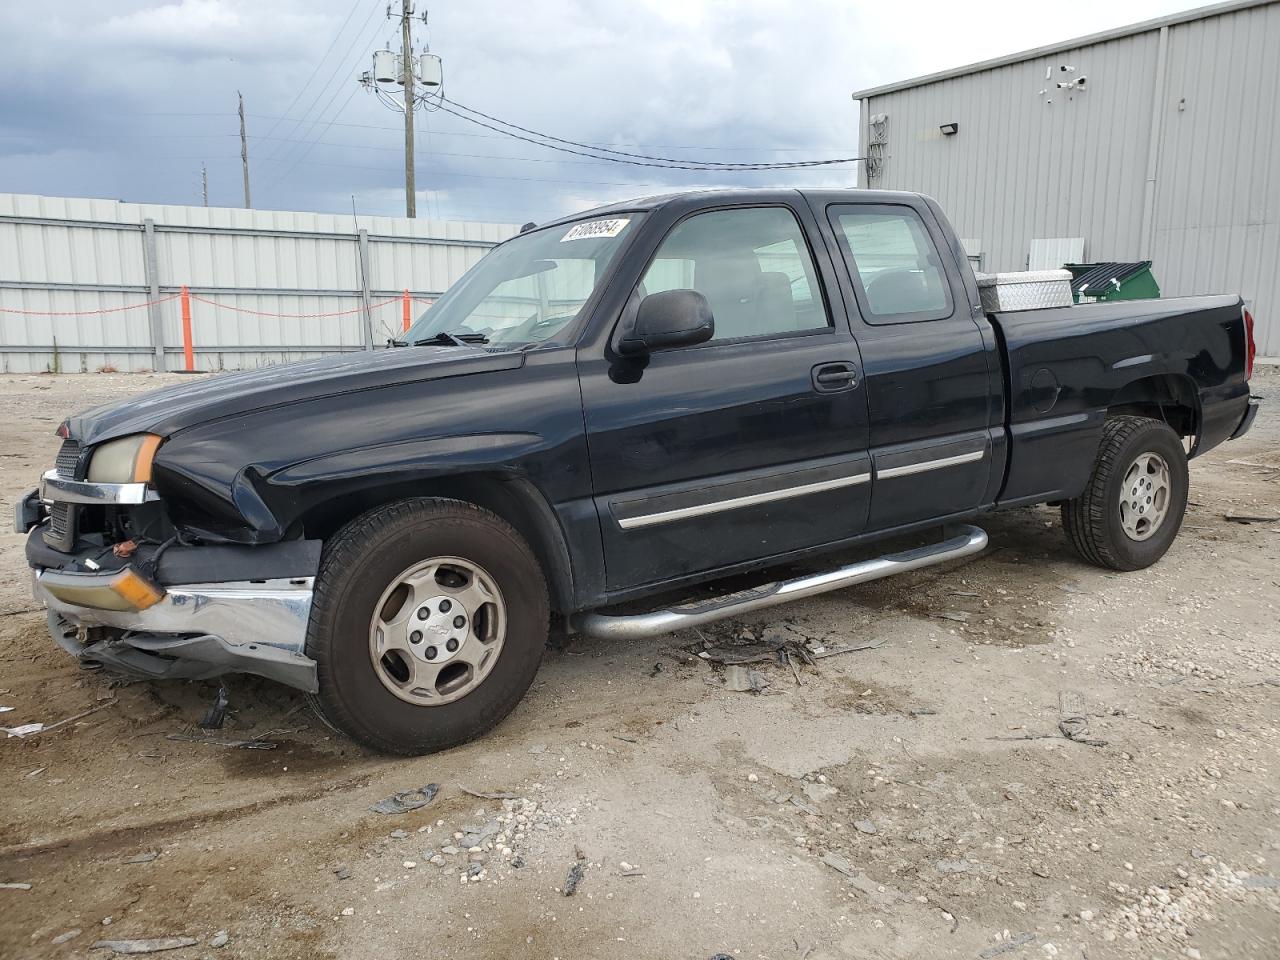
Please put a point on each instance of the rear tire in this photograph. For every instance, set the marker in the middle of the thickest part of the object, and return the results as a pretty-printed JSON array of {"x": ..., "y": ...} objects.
[
  {"x": 385, "y": 577},
  {"x": 1130, "y": 512}
]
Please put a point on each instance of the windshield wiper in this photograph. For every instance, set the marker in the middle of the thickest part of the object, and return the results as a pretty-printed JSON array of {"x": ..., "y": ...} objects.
[{"x": 459, "y": 339}]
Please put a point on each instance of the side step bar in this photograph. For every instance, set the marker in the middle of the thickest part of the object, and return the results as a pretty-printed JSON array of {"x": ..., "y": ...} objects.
[{"x": 968, "y": 540}]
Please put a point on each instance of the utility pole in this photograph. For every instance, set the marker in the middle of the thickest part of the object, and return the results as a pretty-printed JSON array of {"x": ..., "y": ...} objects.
[
  {"x": 412, "y": 72},
  {"x": 406, "y": 60},
  {"x": 244, "y": 152},
  {"x": 204, "y": 182}
]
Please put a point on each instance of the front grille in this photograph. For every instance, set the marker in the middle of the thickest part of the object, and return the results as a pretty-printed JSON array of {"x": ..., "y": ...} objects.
[
  {"x": 68, "y": 462},
  {"x": 61, "y": 533}
]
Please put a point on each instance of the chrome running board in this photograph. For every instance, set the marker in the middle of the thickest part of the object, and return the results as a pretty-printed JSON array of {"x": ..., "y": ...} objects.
[{"x": 967, "y": 541}]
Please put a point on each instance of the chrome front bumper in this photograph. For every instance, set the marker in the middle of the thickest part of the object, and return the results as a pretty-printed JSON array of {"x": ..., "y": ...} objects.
[
  {"x": 197, "y": 631},
  {"x": 55, "y": 488}
]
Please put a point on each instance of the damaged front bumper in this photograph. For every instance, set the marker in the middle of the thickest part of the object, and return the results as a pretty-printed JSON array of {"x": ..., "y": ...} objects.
[{"x": 251, "y": 619}]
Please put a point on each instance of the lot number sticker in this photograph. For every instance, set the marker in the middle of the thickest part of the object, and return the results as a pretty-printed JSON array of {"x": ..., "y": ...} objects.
[{"x": 596, "y": 228}]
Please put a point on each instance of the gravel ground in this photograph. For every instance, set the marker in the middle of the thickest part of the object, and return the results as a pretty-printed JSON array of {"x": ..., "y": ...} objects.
[{"x": 906, "y": 801}]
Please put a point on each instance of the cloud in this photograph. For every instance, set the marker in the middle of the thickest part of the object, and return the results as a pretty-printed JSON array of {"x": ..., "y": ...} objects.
[{"x": 154, "y": 94}]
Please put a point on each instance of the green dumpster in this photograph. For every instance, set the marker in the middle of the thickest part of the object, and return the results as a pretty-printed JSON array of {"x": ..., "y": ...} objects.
[{"x": 1091, "y": 282}]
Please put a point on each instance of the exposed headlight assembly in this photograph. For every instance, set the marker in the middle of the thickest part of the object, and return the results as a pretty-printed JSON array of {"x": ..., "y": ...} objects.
[{"x": 127, "y": 460}]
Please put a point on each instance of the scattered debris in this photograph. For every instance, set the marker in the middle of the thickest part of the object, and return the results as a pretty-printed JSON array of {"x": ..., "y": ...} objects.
[
  {"x": 496, "y": 795},
  {"x": 217, "y": 712},
  {"x": 744, "y": 652},
  {"x": 839, "y": 864},
  {"x": 1247, "y": 518},
  {"x": 125, "y": 548},
  {"x": 26, "y": 730},
  {"x": 342, "y": 872},
  {"x": 146, "y": 946},
  {"x": 5, "y": 709},
  {"x": 219, "y": 939},
  {"x": 865, "y": 826},
  {"x": 15, "y": 886},
  {"x": 1008, "y": 946},
  {"x": 407, "y": 800},
  {"x": 806, "y": 807},
  {"x": 218, "y": 742},
  {"x": 142, "y": 857},
  {"x": 959, "y": 616},
  {"x": 575, "y": 873},
  {"x": 822, "y": 652},
  {"x": 818, "y": 792},
  {"x": 741, "y": 680},
  {"x": 954, "y": 866},
  {"x": 1073, "y": 721},
  {"x": 625, "y": 739},
  {"x": 65, "y": 937},
  {"x": 479, "y": 836},
  {"x": 31, "y": 729}
]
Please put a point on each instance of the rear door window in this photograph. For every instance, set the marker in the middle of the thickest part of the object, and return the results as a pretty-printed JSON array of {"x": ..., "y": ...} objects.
[{"x": 894, "y": 263}]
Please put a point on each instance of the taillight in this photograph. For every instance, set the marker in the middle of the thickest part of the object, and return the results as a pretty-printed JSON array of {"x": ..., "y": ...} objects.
[{"x": 1250, "y": 348}]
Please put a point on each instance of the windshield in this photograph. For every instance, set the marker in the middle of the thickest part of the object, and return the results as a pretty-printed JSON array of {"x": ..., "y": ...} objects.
[{"x": 530, "y": 288}]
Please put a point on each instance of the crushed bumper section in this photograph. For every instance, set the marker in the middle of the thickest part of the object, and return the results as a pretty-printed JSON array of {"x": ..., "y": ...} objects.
[
  {"x": 255, "y": 623},
  {"x": 1247, "y": 420}
]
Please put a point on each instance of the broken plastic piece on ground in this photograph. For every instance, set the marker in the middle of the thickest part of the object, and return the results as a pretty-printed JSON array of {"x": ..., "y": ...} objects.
[
  {"x": 217, "y": 710},
  {"x": 217, "y": 742},
  {"x": 495, "y": 795},
  {"x": 31, "y": 729},
  {"x": 741, "y": 680},
  {"x": 23, "y": 731},
  {"x": 575, "y": 877},
  {"x": 407, "y": 800},
  {"x": 155, "y": 945},
  {"x": 1073, "y": 720}
]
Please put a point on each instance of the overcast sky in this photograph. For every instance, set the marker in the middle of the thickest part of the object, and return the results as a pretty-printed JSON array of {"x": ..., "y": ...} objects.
[{"x": 123, "y": 99}]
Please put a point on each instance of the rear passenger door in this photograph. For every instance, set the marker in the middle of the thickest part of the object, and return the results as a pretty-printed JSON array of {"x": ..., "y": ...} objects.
[
  {"x": 748, "y": 446},
  {"x": 927, "y": 363}
]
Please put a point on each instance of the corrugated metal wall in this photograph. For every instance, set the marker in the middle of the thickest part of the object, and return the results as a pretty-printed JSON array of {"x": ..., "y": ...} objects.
[
  {"x": 1022, "y": 168},
  {"x": 81, "y": 256}
]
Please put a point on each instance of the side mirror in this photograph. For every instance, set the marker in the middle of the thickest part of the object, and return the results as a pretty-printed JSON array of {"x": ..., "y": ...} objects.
[{"x": 672, "y": 318}]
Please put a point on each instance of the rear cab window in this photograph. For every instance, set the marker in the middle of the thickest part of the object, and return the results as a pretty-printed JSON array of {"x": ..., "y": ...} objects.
[{"x": 895, "y": 265}]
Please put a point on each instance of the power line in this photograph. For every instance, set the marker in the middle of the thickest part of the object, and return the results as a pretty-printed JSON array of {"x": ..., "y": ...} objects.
[
  {"x": 621, "y": 156},
  {"x": 340, "y": 69},
  {"x": 319, "y": 63}
]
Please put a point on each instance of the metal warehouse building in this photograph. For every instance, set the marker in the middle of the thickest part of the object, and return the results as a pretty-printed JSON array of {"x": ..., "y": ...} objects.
[{"x": 1159, "y": 141}]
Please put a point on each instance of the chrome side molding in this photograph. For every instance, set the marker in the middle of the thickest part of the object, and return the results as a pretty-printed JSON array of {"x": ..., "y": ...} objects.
[{"x": 968, "y": 540}]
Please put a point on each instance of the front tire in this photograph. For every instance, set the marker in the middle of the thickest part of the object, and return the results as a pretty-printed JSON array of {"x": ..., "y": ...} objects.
[
  {"x": 1130, "y": 512},
  {"x": 428, "y": 624}
]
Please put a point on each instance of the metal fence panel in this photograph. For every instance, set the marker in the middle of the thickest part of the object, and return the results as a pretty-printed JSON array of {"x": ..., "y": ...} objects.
[{"x": 266, "y": 286}]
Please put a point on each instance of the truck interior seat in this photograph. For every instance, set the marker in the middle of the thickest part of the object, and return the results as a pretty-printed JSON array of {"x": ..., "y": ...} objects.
[{"x": 899, "y": 291}]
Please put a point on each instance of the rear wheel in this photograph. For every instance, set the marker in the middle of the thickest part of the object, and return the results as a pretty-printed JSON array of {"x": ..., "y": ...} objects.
[
  {"x": 1128, "y": 515},
  {"x": 427, "y": 627}
]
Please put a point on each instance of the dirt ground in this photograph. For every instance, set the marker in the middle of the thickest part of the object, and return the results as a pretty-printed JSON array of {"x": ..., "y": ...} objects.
[{"x": 913, "y": 800}]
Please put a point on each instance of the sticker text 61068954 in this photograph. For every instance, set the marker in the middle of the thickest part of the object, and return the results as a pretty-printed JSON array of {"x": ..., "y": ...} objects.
[{"x": 596, "y": 228}]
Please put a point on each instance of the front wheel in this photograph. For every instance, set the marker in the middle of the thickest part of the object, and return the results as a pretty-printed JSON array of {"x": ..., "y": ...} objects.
[
  {"x": 428, "y": 624},
  {"x": 1132, "y": 508}
]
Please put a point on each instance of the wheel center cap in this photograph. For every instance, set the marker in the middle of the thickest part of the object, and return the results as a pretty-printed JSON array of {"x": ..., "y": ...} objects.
[{"x": 438, "y": 629}]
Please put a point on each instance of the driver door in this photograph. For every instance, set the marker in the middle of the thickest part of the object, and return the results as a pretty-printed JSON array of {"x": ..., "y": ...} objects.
[{"x": 740, "y": 448}]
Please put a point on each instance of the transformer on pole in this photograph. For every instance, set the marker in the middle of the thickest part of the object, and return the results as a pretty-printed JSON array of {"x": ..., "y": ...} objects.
[{"x": 421, "y": 76}]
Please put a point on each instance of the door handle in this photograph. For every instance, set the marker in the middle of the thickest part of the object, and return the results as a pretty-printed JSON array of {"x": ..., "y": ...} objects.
[{"x": 830, "y": 377}]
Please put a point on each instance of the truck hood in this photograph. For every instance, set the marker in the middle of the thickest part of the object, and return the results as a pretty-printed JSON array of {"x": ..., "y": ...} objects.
[{"x": 171, "y": 409}]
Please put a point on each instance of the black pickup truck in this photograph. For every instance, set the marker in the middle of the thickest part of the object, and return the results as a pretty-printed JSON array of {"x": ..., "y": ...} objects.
[{"x": 606, "y": 409}]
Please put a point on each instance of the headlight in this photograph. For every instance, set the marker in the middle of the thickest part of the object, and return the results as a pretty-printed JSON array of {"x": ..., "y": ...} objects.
[{"x": 127, "y": 460}]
